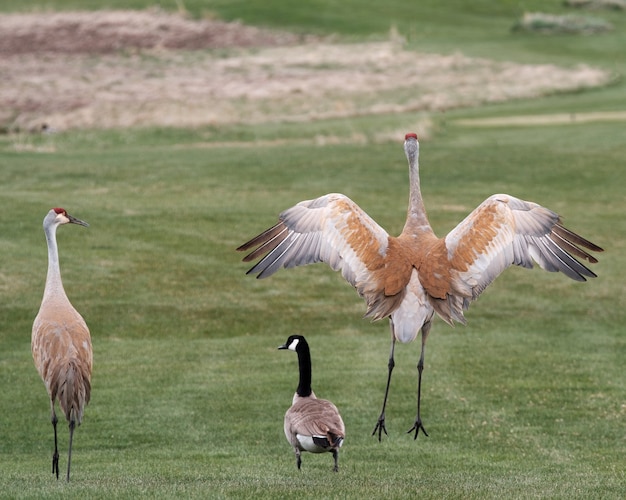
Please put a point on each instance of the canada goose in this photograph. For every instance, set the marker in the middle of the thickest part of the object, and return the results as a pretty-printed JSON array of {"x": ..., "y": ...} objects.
[{"x": 311, "y": 424}]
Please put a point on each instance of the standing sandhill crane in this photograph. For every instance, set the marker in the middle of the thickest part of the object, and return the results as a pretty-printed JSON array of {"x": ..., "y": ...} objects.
[
  {"x": 311, "y": 424},
  {"x": 417, "y": 274},
  {"x": 61, "y": 343}
]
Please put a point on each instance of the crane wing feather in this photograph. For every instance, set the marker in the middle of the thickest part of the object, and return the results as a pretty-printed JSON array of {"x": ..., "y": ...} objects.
[
  {"x": 331, "y": 229},
  {"x": 505, "y": 231}
]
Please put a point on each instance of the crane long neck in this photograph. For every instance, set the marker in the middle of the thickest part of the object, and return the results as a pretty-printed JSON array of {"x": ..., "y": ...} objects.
[
  {"x": 416, "y": 220},
  {"x": 54, "y": 285},
  {"x": 304, "y": 364}
]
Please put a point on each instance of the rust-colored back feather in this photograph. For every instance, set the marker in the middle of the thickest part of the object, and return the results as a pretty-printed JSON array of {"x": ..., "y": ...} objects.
[{"x": 63, "y": 356}]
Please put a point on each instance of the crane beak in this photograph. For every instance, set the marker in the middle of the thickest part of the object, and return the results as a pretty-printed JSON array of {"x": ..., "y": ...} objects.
[{"x": 74, "y": 220}]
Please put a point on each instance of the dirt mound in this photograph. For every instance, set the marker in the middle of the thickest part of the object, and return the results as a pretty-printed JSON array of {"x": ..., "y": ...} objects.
[
  {"x": 105, "y": 32},
  {"x": 121, "y": 69}
]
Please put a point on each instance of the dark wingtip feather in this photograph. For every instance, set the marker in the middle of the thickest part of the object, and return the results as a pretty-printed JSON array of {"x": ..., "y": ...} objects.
[
  {"x": 576, "y": 239},
  {"x": 265, "y": 243},
  {"x": 266, "y": 235}
]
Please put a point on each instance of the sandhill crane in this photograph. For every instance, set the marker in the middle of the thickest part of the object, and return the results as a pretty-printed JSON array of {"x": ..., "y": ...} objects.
[
  {"x": 61, "y": 343},
  {"x": 417, "y": 274},
  {"x": 311, "y": 424}
]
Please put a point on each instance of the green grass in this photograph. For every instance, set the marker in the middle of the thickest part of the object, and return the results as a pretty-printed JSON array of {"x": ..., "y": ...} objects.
[{"x": 189, "y": 390}]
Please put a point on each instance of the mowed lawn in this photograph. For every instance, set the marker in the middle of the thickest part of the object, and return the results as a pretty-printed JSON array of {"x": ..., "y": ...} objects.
[
  {"x": 526, "y": 401},
  {"x": 188, "y": 387}
]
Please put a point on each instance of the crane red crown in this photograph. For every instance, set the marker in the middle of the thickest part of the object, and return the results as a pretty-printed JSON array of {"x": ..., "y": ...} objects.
[
  {"x": 410, "y": 134},
  {"x": 59, "y": 210}
]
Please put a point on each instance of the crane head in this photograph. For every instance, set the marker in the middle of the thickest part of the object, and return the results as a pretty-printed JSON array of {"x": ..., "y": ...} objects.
[
  {"x": 411, "y": 148},
  {"x": 62, "y": 217}
]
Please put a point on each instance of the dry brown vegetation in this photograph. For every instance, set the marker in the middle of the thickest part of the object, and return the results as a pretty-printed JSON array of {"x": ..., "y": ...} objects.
[{"x": 127, "y": 68}]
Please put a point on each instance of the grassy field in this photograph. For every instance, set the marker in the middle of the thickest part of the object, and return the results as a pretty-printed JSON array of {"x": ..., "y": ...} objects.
[{"x": 527, "y": 401}]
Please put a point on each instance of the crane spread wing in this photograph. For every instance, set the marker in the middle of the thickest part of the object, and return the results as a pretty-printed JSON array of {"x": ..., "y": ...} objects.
[
  {"x": 505, "y": 231},
  {"x": 331, "y": 229}
]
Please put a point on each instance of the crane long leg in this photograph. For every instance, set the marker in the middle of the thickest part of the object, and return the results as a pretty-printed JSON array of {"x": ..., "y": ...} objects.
[
  {"x": 55, "y": 456},
  {"x": 69, "y": 455},
  {"x": 380, "y": 425},
  {"x": 420, "y": 368}
]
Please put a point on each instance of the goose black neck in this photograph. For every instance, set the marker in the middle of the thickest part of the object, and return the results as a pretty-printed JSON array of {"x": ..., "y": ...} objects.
[{"x": 304, "y": 363}]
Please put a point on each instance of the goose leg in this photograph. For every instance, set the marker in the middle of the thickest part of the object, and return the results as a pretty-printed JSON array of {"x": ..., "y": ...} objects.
[
  {"x": 336, "y": 457},
  {"x": 420, "y": 367},
  {"x": 380, "y": 425},
  {"x": 55, "y": 455},
  {"x": 298, "y": 459},
  {"x": 69, "y": 456}
]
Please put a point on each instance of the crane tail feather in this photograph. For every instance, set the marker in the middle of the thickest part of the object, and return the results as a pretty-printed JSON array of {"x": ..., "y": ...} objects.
[{"x": 74, "y": 392}]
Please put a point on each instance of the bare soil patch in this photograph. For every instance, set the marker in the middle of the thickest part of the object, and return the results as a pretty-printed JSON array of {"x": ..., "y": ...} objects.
[
  {"x": 106, "y": 32},
  {"x": 123, "y": 68}
]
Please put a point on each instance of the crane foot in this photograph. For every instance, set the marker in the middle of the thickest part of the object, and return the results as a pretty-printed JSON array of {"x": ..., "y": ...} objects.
[
  {"x": 55, "y": 463},
  {"x": 380, "y": 427},
  {"x": 417, "y": 426}
]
